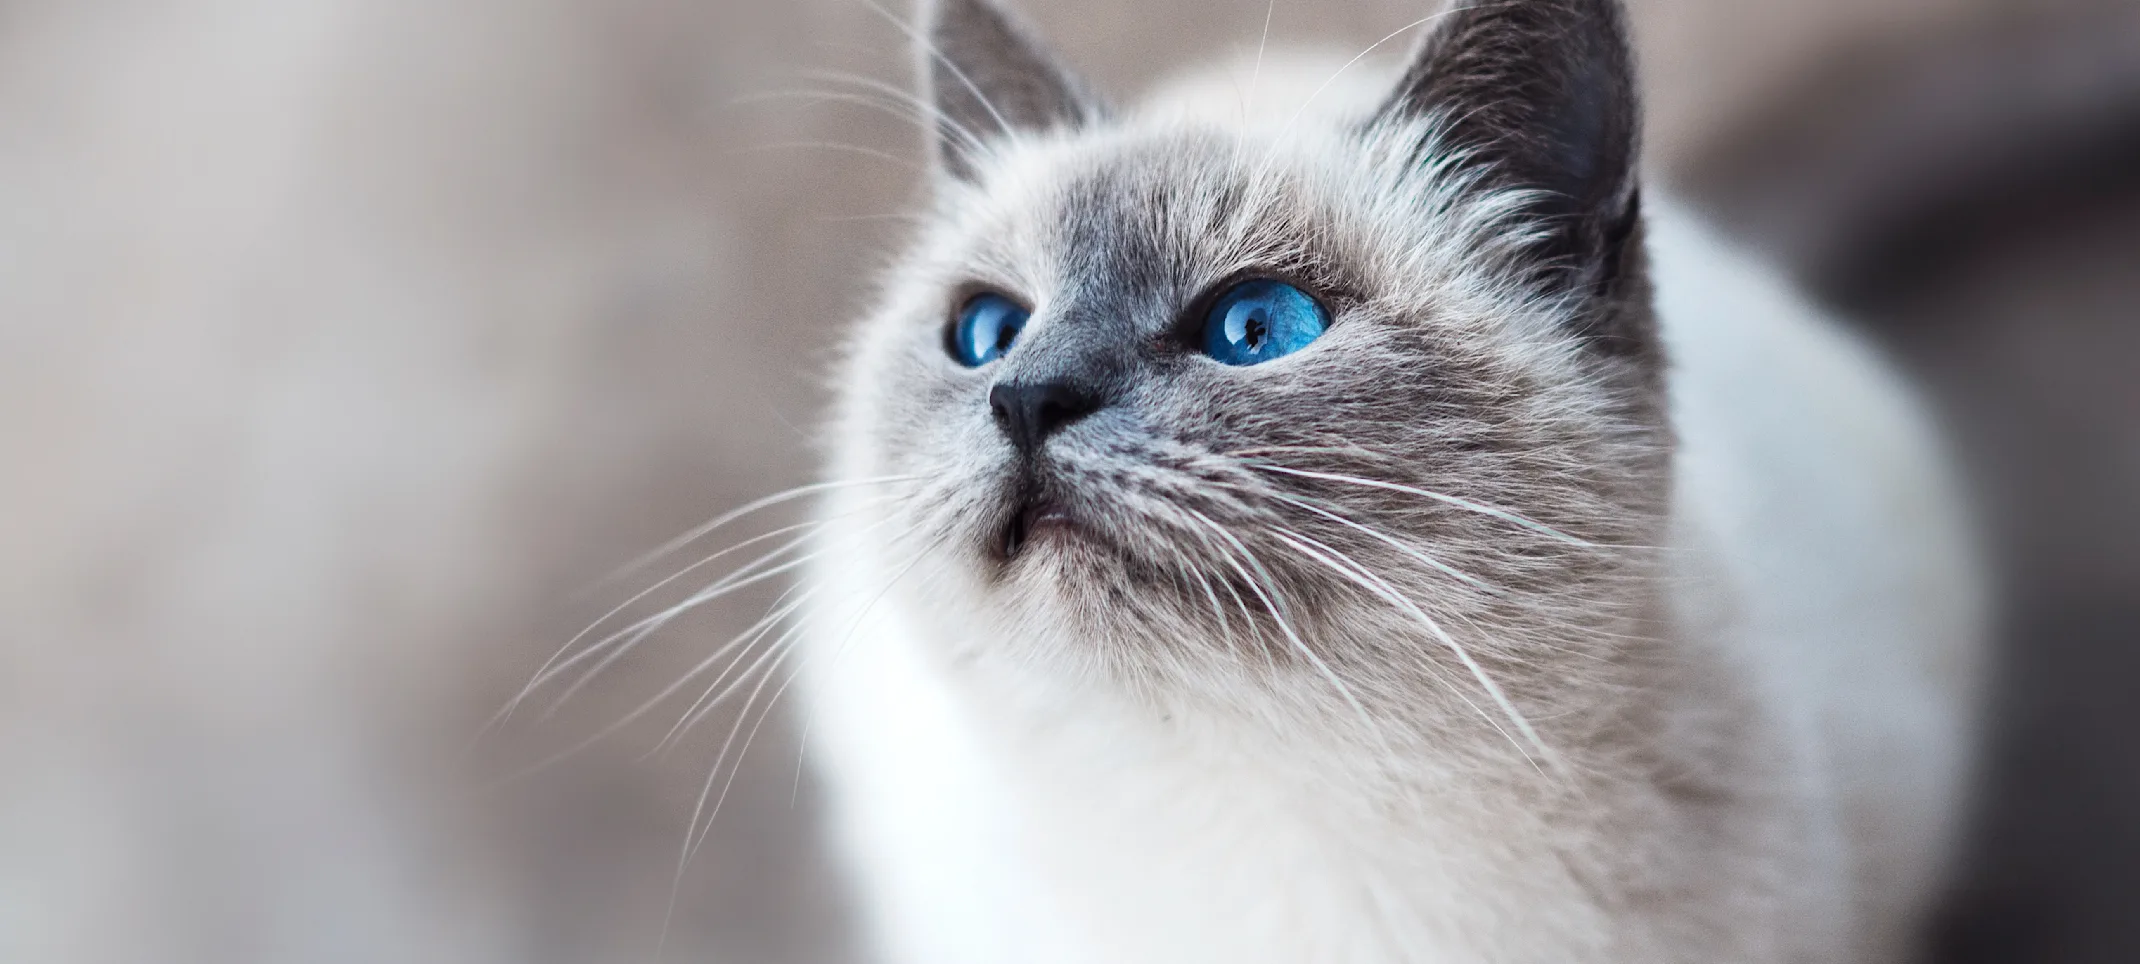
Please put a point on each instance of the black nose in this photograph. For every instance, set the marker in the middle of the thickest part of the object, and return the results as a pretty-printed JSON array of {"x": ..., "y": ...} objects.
[{"x": 1030, "y": 413}]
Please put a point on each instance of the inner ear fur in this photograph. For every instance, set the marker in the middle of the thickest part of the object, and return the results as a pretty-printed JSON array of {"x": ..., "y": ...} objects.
[
  {"x": 1542, "y": 93},
  {"x": 990, "y": 78}
]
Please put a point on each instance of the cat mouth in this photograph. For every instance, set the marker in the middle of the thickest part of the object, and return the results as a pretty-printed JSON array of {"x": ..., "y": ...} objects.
[{"x": 1038, "y": 519}]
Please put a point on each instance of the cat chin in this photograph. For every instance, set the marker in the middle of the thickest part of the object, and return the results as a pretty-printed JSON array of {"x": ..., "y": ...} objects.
[
  {"x": 1040, "y": 525},
  {"x": 1061, "y": 563},
  {"x": 1044, "y": 532}
]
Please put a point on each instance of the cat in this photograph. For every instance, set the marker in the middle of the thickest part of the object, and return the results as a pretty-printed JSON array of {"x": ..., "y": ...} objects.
[{"x": 1331, "y": 514}]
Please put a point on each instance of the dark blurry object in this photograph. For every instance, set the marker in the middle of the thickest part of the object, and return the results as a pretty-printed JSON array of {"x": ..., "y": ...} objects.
[
  {"x": 1973, "y": 195},
  {"x": 1908, "y": 151}
]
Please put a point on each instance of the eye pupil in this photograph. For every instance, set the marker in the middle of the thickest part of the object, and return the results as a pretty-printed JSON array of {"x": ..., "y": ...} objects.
[{"x": 1257, "y": 321}]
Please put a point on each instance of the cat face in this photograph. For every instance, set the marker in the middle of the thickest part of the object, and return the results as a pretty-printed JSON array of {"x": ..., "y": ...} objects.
[{"x": 1189, "y": 393}]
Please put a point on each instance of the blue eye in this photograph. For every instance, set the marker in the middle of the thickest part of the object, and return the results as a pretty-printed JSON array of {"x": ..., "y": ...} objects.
[
  {"x": 986, "y": 328},
  {"x": 1257, "y": 321}
]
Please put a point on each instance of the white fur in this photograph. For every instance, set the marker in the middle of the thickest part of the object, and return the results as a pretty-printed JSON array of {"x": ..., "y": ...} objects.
[{"x": 1821, "y": 569}]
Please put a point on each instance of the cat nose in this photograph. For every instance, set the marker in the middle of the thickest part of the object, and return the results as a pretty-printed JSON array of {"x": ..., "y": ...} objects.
[{"x": 1029, "y": 412}]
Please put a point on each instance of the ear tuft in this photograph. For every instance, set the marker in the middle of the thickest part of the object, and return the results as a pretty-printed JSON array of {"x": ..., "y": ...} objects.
[
  {"x": 990, "y": 80},
  {"x": 1543, "y": 91}
]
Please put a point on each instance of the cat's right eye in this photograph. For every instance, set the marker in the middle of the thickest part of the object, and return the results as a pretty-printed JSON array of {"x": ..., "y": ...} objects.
[
  {"x": 1260, "y": 320},
  {"x": 986, "y": 328}
]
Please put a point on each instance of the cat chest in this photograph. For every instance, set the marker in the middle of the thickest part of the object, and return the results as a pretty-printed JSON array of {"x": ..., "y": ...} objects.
[{"x": 1161, "y": 856}]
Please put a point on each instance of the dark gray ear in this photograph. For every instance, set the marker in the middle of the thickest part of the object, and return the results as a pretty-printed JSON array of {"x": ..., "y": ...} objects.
[
  {"x": 1544, "y": 92},
  {"x": 989, "y": 79}
]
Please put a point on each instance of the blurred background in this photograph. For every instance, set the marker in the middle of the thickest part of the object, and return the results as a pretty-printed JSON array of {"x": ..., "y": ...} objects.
[{"x": 347, "y": 345}]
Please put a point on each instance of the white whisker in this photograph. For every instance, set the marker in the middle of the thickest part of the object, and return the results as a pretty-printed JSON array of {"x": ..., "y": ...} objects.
[
  {"x": 742, "y": 578},
  {"x": 715, "y": 694},
  {"x": 923, "y": 109},
  {"x": 1419, "y": 556},
  {"x": 1247, "y": 615},
  {"x": 1368, "y": 580},
  {"x": 1218, "y": 612},
  {"x": 1277, "y": 612},
  {"x": 1479, "y": 507},
  {"x": 835, "y": 146},
  {"x": 551, "y": 667},
  {"x": 1317, "y": 95},
  {"x": 691, "y": 847},
  {"x": 803, "y": 740},
  {"x": 707, "y": 528},
  {"x": 945, "y": 62},
  {"x": 1262, "y": 45},
  {"x": 623, "y": 641},
  {"x": 899, "y": 109}
]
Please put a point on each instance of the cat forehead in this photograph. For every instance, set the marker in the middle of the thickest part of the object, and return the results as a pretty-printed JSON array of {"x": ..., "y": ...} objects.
[
  {"x": 1194, "y": 201},
  {"x": 1136, "y": 201},
  {"x": 1224, "y": 170}
]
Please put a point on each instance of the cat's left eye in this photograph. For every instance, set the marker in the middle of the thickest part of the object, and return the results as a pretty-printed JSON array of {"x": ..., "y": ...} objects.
[
  {"x": 986, "y": 328},
  {"x": 1256, "y": 321}
]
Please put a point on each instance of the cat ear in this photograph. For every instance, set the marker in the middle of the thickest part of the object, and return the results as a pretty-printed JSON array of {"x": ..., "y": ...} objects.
[
  {"x": 989, "y": 80},
  {"x": 1542, "y": 91}
]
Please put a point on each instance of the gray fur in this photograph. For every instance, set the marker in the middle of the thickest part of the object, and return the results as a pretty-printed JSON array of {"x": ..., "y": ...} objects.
[
  {"x": 1416, "y": 569},
  {"x": 1544, "y": 93},
  {"x": 1427, "y": 380},
  {"x": 990, "y": 80}
]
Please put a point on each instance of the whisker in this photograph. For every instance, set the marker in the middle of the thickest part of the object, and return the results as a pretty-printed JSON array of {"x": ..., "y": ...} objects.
[
  {"x": 1319, "y": 91},
  {"x": 715, "y": 694},
  {"x": 802, "y": 743},
  {"x": 707, "y": 528},
  {"x": 1462, "y": 503},
  {"x": 898, "y": 109},
  {"x": 631, "y": 636},
  {"x": 1368, "y": 580},
  {"x": 550, "y": 668},
  {"x": 1421, "y": 557},
  {"x": 1256, "y": 77},
  {"x": 946, "y": 62},
  {"x": 1278, "y": 613},
  {"x": 908, "y": 217},
  {"x": 787, "y": 640},
  {"x": 745, "y": 576},
  {"x": 785, "y": 645},
  {"x": 698, "y": 669},
  {"x": 1218, "y": 612},
  {"x": 835, "y": 146},
  {"x": 1247, "y": 615},
  {"x": 924, "y": 109},
  {"x": 623, "y": 721},
  {"x": 691, "y": 847},
  {"x": 1355, "y": 451},
  {"x": 1299, "y": 544}
]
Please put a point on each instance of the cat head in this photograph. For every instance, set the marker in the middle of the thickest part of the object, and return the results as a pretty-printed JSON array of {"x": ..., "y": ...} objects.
[{"x": 1198, "y": 389}]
